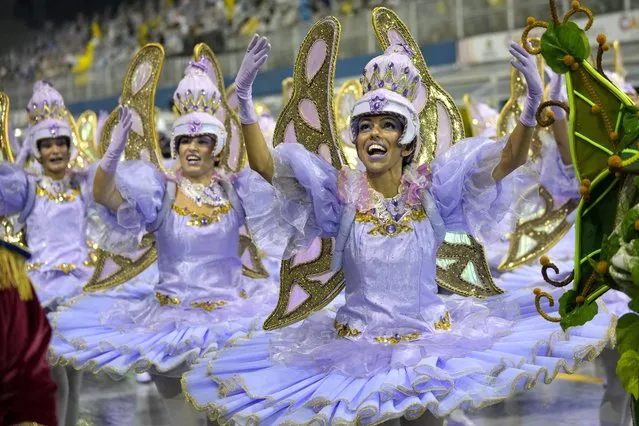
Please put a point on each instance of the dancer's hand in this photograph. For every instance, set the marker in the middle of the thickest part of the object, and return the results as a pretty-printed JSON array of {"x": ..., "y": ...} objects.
[
  {"x": 109, "y": 161},
  {"x": 526, "y": 64},
  {"x": 255, "y": 57}
]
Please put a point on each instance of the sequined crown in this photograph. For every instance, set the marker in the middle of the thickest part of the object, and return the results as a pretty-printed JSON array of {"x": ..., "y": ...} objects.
[
  {"x": 196, "y": 91},
  {"x": 46, "y": 103},
  {"x": 394, "y": 71}
]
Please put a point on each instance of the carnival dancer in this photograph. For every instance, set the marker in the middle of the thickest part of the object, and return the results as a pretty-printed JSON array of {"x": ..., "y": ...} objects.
[
  {"x": 396, "y": 348},
  {"x": 53, "y": 209},
  {"x": 202, "y": 301},
  {"x": 28, "y": 392}
]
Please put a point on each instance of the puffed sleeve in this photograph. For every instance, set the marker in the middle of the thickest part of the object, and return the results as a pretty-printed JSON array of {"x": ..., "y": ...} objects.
[
  {"x": 307, "y": 201},
  {"x": 143, "y": 188},
  {"x": 15, "y": 189},
  {"x": 467, "y": 196}
]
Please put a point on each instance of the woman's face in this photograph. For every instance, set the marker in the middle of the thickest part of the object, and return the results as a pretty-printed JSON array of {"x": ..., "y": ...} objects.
[
  {"x": 196, "y": 155},
  {"x": 377, "y": 143},
  {"x": 54, "y": 154}
]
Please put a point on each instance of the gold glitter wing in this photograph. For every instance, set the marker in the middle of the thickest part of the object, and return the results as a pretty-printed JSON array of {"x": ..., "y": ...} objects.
[
  {"x": 539, "y": 232},
  {"x": 307, "y": 282},
  {"x": 618, "y": 59},
  {"x": 87, "y": 124},
  {"x": 465, "y": 111},
  {"x": 8, "y": 231},
  {"x": 440, "y": 120},
  {"x": 345, "y": 99},
  {"x": 138, "y": 93},
  {"x": 234, "y": 153},
  {"x": 461, "y": 262}
]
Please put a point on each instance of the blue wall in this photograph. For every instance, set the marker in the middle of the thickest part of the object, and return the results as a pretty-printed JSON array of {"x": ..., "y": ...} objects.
[{"x": 270, "y": 82}]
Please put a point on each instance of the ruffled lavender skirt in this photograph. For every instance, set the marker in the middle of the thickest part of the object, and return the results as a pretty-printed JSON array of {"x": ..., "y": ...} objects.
[
  {"x": 300, "y": 375},
  {"x": 55, "y": 287},
  {"x": 112, "y": 335}
]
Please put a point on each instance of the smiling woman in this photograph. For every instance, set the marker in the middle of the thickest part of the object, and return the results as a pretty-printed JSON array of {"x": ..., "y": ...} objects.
[{"x": 55, "y": 154}]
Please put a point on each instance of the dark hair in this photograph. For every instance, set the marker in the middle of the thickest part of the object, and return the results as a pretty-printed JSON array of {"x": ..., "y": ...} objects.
[
  {"x": 406, "y": 161},
  {"x": 67, "y": 141}
]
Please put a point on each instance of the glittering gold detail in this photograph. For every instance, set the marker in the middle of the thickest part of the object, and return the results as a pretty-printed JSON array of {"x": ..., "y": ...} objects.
[
  {"x": 618, "y": 59},
  {"x": 258, "y": 271},
  {"x": 545, "y": 230},
  {"x": 399, "y": 85},
  {"x": 11, "y": 235},
  {"x": 287, "y": 90},
  {"x": 67, "y": 268},
  {"x": 33, "y": 266},
  {"x": 231, "y": 121},
  {"x": 36, "y": 115},
  {"x": 209, "y": 306},
  {"x": 385, "y": 21},
  {"x": 6, "y": 153},
  {"x": 88, "y": 143},
  {"x": 444, "y": 322},
  {"x": 320, "y": 90},
  {"x": 391, "y": 228},
  {"x": 396, "y": 339},
  {"x": 462, "y": 254},
  {"x": 509, "y": 115},
  {"x": 60, "y": 197},
  {"x": 344, "y": 331},
  {"x": 243, "y": 294},
  {"x": 198, "y": 219},
  {"x": 165, "y": 299},
  {"x": 201, "y": 104},
  {"x": 143, "y": 103},
  {"x": 345, "y": 99}
]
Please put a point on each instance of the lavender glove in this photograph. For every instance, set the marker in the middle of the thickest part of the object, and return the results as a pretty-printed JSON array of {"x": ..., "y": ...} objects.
[
  {"x": 111, "y": 157},
  {"x": 556, "y": 92},
  {"x": 526, "y": 64},
  {"x": 256, "y": 55}
]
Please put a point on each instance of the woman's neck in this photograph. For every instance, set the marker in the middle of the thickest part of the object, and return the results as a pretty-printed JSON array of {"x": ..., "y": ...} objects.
[
  {"x": 55, "y": 175},
  {"x": 386, "y": 183},
  {"x": 203, "y": 179}
]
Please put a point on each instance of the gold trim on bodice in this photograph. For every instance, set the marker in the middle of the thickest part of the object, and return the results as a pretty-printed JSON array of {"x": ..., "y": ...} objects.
[
  {"x": 60, "y": 197},
  {"x": 389, "y": 227},
  {"x": 199, "y": 219}
]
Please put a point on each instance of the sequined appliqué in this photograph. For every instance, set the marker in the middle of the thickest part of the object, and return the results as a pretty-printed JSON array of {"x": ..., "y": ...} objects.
[
  {"x": 60, "y": 197},
  {"x": 344, "y": 331},
  {"x": 389, "y": 227},
  {"x": 199, "y": 220}
]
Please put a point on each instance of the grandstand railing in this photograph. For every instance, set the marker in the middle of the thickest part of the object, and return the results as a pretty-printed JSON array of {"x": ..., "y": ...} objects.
[{"x": 430, "y": 20}]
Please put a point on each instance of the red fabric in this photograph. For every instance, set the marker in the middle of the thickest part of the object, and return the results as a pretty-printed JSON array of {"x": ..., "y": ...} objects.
[{"x": 27, "y": 391}]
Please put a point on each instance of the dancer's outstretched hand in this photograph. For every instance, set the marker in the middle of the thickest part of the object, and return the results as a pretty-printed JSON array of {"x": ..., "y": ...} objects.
[
  {"x": 256, "y": 55},
  {"x": 526, "y": 64},
  {"x": 109, "y": 161}
]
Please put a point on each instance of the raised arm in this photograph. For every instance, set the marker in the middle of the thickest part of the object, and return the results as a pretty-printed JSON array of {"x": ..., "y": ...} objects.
[
  {"x": 515, "y": 153},
  {"x": 560, "y": 125},
  {"x": 259, "y": 156},
  {"x": 104, "y": 189}
]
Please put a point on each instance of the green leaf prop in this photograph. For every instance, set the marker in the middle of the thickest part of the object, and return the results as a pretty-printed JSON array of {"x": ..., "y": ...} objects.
[
  {"x": 561, "y": 40},
  {"x": 628, "y": 333},
  {"x": 572, "y": 314},
  {"x": 628, "y": 372},
  {"x": 610, "y": 246}
]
